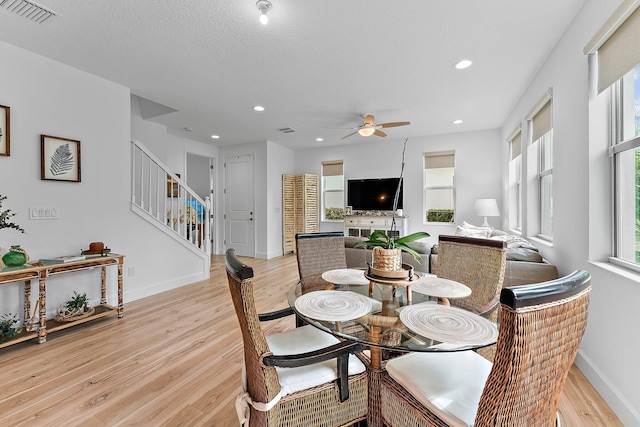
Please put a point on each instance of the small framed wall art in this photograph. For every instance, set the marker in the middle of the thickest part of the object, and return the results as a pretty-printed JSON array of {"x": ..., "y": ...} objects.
[
  {"x": 60, "y": 159},
  {"x": 5, "y": 128}
]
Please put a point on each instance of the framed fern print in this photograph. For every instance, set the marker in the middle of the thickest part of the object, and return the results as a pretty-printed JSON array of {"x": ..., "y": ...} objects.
[{"x": 60, "y": 159}]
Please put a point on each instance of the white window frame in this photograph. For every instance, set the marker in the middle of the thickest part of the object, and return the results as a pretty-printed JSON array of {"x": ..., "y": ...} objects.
[
  {"x": 426, "y": 187},
  {"x": 515, "y": 181},
  {"x": 543, "y": 170},
  {"x": 324, "y": 191},
  {"x": 617, "y": 147}
]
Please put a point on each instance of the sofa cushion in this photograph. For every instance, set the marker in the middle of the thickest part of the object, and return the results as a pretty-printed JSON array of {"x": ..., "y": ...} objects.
[
  {"x": 523, "y": 254},
  {"x": 420, "y": 247},
  {"x": 350, "y": 241}
]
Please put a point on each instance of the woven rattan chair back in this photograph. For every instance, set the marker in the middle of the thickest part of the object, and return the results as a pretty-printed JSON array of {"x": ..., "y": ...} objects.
[
  {"x": 262, "y": 381},
  {"x": 541, "y": 328},
  {"x": 477, "y": 263},
  {"x": 317, "y": 253}
]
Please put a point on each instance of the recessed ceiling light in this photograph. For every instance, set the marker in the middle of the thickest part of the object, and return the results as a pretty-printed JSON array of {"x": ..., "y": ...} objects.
[
  {"x": 319, "y": 139},
  {"x": 215, "y": 136},
  {"x": 188, "y": 129},
  {"x": 258, "y": 108},
  {"x": 457, "y": 122},
  {"x": 461, "y": 65}
]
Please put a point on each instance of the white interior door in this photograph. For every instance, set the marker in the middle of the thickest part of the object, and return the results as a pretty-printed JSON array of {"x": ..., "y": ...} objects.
[{"x": 239, "y": 209}]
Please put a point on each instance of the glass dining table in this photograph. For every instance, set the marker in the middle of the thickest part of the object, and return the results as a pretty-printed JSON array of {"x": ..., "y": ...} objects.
[
  {"x": 395, "y": 315},
  {"x": 390, "y": 316}
]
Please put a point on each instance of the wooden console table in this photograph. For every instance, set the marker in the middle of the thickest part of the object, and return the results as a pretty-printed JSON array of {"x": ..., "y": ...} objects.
[{"x": 41, "y": 271}]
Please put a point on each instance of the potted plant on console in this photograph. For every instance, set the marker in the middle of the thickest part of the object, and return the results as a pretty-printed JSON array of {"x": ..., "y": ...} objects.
[
  {"x": 387, "y": 249},
  {"x": 75, "y": 308}
]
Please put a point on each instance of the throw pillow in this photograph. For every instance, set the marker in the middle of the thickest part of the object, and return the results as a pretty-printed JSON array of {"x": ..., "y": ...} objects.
[{"x": 470, "y": 230}]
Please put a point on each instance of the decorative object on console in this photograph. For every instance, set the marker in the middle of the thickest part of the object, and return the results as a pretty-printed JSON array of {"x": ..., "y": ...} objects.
[
  {"x": 75, "y": 308},
  {"x": 15, "y": 257},
  {"x": 5, "y": 135},
  {"x": 485, "y": 208},
  {"x": 96, "y": 248},
  {"x": 59, "y": 159}
]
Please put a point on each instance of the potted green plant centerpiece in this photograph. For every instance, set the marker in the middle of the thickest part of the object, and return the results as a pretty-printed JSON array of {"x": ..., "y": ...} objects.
[{"x": 387, "y": 250}]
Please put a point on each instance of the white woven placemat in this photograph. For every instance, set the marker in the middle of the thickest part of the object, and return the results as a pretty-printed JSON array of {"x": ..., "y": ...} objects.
[
  {"x": 451, "y": 325},
  {"x": 333, "y": 305},
  {"x": 441, "y": 288},
  {"x": 345, "y": 276}
]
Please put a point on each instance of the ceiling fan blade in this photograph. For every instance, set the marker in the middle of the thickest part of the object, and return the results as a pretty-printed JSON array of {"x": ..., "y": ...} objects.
[
  {"x": 368, "y": 120},
  {"x": 393, "y": 124},
  {"x": 378, "y": 132},
  {"x": 351, "y": 134}
]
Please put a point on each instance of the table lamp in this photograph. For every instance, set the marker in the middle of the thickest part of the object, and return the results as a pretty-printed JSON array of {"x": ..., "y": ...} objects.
[{"x": 485, "y": 208}]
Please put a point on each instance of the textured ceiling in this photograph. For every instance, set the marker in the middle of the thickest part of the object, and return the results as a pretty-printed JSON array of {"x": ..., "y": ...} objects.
[{"x": 315, "y": 66}]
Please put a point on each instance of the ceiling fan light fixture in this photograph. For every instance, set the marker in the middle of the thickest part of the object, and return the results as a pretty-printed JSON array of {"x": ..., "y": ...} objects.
[
  {"x": 367, "y": 131},
  {"x": 264, "y": 6}
]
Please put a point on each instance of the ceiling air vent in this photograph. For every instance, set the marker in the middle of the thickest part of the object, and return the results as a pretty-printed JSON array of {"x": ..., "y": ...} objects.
[
  {"x": 286, "y": 130},
  {"x": 29, "y": 10}
]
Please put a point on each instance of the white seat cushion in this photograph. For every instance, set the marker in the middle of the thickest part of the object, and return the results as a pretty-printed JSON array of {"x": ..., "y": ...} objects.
[
  {"x": 449, "y": 384},
  {"x": 301, "y": 340}
]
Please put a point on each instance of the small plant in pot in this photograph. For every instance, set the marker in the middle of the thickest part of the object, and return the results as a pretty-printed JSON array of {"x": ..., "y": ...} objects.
[
  {"x": 6, "y": 326},
  {"x": 75, "y": 307},
  {"x": 387, "y": 251}
]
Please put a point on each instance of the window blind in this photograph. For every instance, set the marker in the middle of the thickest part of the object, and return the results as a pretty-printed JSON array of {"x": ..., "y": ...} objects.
[
  {"x": 516, "y": 145},
  {"x": 332, "y": 168},
  {"x": 444, "y": 159},
  {"x": 617, "y": 44},
  {"x": 542, "y": 121}
]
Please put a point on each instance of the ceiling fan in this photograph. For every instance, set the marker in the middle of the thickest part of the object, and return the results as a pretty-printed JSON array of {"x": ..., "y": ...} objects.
[{"x": 368, "y": 127}]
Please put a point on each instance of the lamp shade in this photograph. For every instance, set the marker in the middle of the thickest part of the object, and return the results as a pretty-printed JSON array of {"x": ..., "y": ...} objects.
[
  {"x": 367, "y": 130},
  {"x": 486, "y": 207}
]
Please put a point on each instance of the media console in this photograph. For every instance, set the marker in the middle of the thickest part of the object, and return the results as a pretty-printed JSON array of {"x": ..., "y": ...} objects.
[{"x": 364, "y": 225}]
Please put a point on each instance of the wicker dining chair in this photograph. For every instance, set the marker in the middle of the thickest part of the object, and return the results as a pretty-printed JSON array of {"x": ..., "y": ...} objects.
[
  {"x": 300, "y": 377},
  {"x": 478, "y": 263},
  {"x": 540, "y": 331},
  {"x": 317, "y": 253}
]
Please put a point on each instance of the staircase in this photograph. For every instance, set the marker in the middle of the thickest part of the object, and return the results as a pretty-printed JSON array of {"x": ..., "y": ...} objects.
[{"x": 164, "y": 200}]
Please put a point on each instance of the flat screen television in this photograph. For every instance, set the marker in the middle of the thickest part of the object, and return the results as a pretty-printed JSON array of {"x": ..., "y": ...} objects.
[{"x": 373, "y": 194}]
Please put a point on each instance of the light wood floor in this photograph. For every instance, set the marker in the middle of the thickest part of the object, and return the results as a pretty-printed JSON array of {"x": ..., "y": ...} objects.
[{"x": 173, "y": 360}]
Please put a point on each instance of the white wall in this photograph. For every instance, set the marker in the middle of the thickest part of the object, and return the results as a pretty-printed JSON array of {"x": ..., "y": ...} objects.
[
  {"x": 280, "y": 161},
  {"x": 477, "y": 172},
  {"x": 47, "y": 97},
  {"x": 609, "y": 351}
]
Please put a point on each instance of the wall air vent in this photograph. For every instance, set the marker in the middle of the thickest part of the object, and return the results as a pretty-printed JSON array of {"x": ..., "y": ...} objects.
[
  {"x": 29, "y": 10},
  {"x": 287, "y": 130}
]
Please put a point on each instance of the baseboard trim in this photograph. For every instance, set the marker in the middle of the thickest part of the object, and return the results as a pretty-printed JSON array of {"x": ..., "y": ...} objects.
[
  {"x": 156, "y": 288},
  {"x": 623, "y": 409}
]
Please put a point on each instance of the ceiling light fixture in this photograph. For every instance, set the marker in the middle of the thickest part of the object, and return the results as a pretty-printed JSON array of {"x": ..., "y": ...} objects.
[
  {"x": 258, "y": 108},
  {"x": 366, "y": 131},
  {"x": 465, "y": 63},
  {"x": 215, "y": 136},
  {"x": 319, "y": 139},
  {"x": 457, "y": 122},
  {"x": 264, "y": 6}
]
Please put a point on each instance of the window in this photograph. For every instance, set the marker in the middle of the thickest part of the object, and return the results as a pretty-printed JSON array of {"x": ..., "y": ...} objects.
[
  {"x": 626, "y": 166},
  {"x": 439, "y": 187},
  {"x": 332, "y": 190},
  {"x": 541, "y": 126},
  {"x": 618, "y": 70},
  {"x": 515, "y": 181}
]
